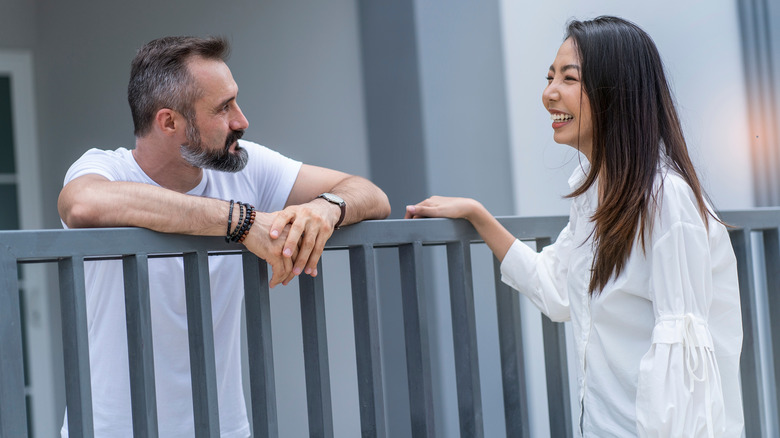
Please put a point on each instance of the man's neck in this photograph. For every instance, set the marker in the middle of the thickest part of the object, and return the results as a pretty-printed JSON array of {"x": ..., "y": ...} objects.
[{"x": 164, "y": 164}]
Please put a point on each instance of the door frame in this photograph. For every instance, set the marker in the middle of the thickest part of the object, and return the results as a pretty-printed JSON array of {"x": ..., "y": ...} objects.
[{"x": 46, "y": 421}]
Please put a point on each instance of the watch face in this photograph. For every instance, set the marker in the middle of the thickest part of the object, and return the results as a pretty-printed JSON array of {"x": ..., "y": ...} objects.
[
  {"x": 330, "y": 197},
  {"x": 334, "y": 199}
]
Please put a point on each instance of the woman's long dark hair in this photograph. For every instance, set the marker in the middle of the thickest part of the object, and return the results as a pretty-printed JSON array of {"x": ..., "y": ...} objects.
[{"x": 634, "y": 118}]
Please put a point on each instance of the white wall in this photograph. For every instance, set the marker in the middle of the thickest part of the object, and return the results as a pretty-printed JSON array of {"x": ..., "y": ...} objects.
[{"x": 699, "y": 42}]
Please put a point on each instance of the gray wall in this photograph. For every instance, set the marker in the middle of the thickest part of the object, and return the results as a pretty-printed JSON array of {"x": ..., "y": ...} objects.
[
  {"x": 437, "y": 122},
  {"x": 17, "y": 24},
  {"x": 467, "y": 142},
  {"x": 296, "y": 64},
  {"x": 299, "y": 68}
]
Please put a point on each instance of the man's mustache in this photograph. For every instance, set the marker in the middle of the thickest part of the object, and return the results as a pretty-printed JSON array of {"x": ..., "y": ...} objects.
[{"x": 233, "y": 137}]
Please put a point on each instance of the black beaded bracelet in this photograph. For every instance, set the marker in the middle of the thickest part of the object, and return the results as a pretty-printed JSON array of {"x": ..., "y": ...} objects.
[
  {"x": 244, "y": 225},
  {"x": 234, "y": 235},
  {"x": 246, "y": 217},
  {"x": 251, "y": 214},
  {"x": 230, "y": 219}
]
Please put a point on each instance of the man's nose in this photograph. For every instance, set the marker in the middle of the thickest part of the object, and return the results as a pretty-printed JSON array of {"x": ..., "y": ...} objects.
[{"x": 239, "y": 122}]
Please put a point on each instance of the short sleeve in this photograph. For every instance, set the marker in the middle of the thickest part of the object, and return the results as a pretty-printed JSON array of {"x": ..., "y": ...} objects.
[
  {"x": 541, "y": 276},
  {"x": 111, "y": 165},
  {"x": 679, "y": 392}
]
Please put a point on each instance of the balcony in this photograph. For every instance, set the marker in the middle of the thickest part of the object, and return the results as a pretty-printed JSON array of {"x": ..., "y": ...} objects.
[{"x": 418, "y": 248}]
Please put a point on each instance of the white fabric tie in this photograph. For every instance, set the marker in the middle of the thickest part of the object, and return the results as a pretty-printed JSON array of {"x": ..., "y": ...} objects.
[{"x": 693, "y": 330}]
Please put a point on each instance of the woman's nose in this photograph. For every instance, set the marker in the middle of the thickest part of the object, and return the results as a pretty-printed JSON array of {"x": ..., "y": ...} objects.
[{"x": 550, "y": 93}]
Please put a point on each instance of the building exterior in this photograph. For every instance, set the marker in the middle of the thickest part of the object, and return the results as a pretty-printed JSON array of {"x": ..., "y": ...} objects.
[{"x": 421, "y": 96}]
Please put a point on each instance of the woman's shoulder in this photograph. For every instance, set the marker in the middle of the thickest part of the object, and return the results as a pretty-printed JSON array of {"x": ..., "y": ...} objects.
[{"x": 676, "y": 201}]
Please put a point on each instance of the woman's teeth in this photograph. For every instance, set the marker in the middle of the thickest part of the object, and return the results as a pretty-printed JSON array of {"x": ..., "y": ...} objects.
[{"x": 560, "y": 117}]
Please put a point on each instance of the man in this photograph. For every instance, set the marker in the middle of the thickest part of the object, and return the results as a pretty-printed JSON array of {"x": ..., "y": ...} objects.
[{"x": 191, "y": 174}]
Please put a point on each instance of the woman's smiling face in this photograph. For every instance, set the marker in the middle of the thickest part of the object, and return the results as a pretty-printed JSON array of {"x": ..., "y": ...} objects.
[{"x": 567, "y": 102}]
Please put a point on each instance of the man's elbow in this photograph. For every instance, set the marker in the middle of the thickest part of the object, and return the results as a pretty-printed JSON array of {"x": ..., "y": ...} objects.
[
  {"x": 382, "y": 210},
  {"x": 76, "y": 213}
]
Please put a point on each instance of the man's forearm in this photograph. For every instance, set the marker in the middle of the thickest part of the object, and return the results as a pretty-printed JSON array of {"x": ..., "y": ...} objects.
[
  {"x": 363, "y": 198},
  {"x": 93, "y": 201}
]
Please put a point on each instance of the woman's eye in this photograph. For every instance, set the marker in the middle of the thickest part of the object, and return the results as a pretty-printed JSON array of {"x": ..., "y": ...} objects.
[
  {"x": 549, "y": 78},
  {"x": 570, "y": 78}
]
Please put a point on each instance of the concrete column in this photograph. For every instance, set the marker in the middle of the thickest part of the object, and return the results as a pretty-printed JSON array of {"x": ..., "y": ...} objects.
[{"x": 437, "y": 123}]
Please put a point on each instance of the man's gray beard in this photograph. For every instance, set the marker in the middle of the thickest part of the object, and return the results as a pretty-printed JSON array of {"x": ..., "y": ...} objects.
[{"x": 221, "y": 159}]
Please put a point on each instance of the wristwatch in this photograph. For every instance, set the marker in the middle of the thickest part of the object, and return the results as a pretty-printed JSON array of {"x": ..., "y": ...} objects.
[{"x": 335, "y": 199}]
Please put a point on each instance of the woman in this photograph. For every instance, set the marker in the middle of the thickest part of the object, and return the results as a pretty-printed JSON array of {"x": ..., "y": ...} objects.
[{"x": 644, "y": 269}]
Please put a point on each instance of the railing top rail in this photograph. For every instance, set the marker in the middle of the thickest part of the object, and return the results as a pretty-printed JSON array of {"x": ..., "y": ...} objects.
[
  {"x": 49, "y": 245},
  {"x": 755, "y": 219}
]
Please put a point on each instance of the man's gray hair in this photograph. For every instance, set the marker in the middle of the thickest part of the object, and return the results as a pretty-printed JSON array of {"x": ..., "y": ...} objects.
[{"x": 159, "y": 77}]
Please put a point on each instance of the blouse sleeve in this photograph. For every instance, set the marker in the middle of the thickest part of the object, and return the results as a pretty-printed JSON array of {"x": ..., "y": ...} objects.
[
  {"x": 679, "y": 391},
  {"x": 541, "y": 276}
]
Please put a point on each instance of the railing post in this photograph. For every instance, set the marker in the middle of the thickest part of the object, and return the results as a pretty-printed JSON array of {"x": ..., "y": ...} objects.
[
  {"x": 139, "y": 345},
  {"x": 367, "y": 344},
  {"x": 200, "y": 328},
  {"x": 75, "y": 345},
  {"x": 315, "y": 355},
  {"x": 13, "y": 408},
  {"x": 556, "y": 369},
  {"x": 13, "y": 415},
  {"x": 418, "y": 350},
  {"x": 772, "y": 269},
  {"x": 464, "y": 334},
  {"x": 510, "y": 340},
  {"x": 558, "y": 400},
  {"x": 259, "y": 346},
  {"x": 750, "y": 372}
]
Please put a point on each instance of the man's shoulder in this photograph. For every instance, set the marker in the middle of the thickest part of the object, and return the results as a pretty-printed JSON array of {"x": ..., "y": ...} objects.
[
  {"x": 105, "y": 154},
  {"x": 112, "y": 164}
]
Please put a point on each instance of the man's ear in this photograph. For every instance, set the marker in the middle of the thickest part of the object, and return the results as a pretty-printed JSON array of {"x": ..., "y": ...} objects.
[{"x": 168, "y": 121}]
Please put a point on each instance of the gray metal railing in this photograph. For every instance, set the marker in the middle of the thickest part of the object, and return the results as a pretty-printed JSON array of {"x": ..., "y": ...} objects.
[
  {"x": 756, "y": 243},
  {"x": 70, "y": 249}
]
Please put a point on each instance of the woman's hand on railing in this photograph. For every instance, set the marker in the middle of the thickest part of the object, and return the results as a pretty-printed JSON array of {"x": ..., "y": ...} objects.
[
  {"x": 442, "y": 206},
  {"x": 493, "y": 233}
]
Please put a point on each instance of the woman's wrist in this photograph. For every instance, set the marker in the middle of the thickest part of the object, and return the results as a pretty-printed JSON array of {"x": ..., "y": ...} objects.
[{"x": 476, "y": 213}]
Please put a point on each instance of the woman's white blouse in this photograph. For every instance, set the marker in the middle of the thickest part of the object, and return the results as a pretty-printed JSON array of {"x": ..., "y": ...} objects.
[{"x": 658, "y": 350}]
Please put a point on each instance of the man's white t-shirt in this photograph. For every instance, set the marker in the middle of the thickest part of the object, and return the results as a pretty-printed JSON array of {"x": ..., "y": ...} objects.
[{"x": 266, "y": 183}]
